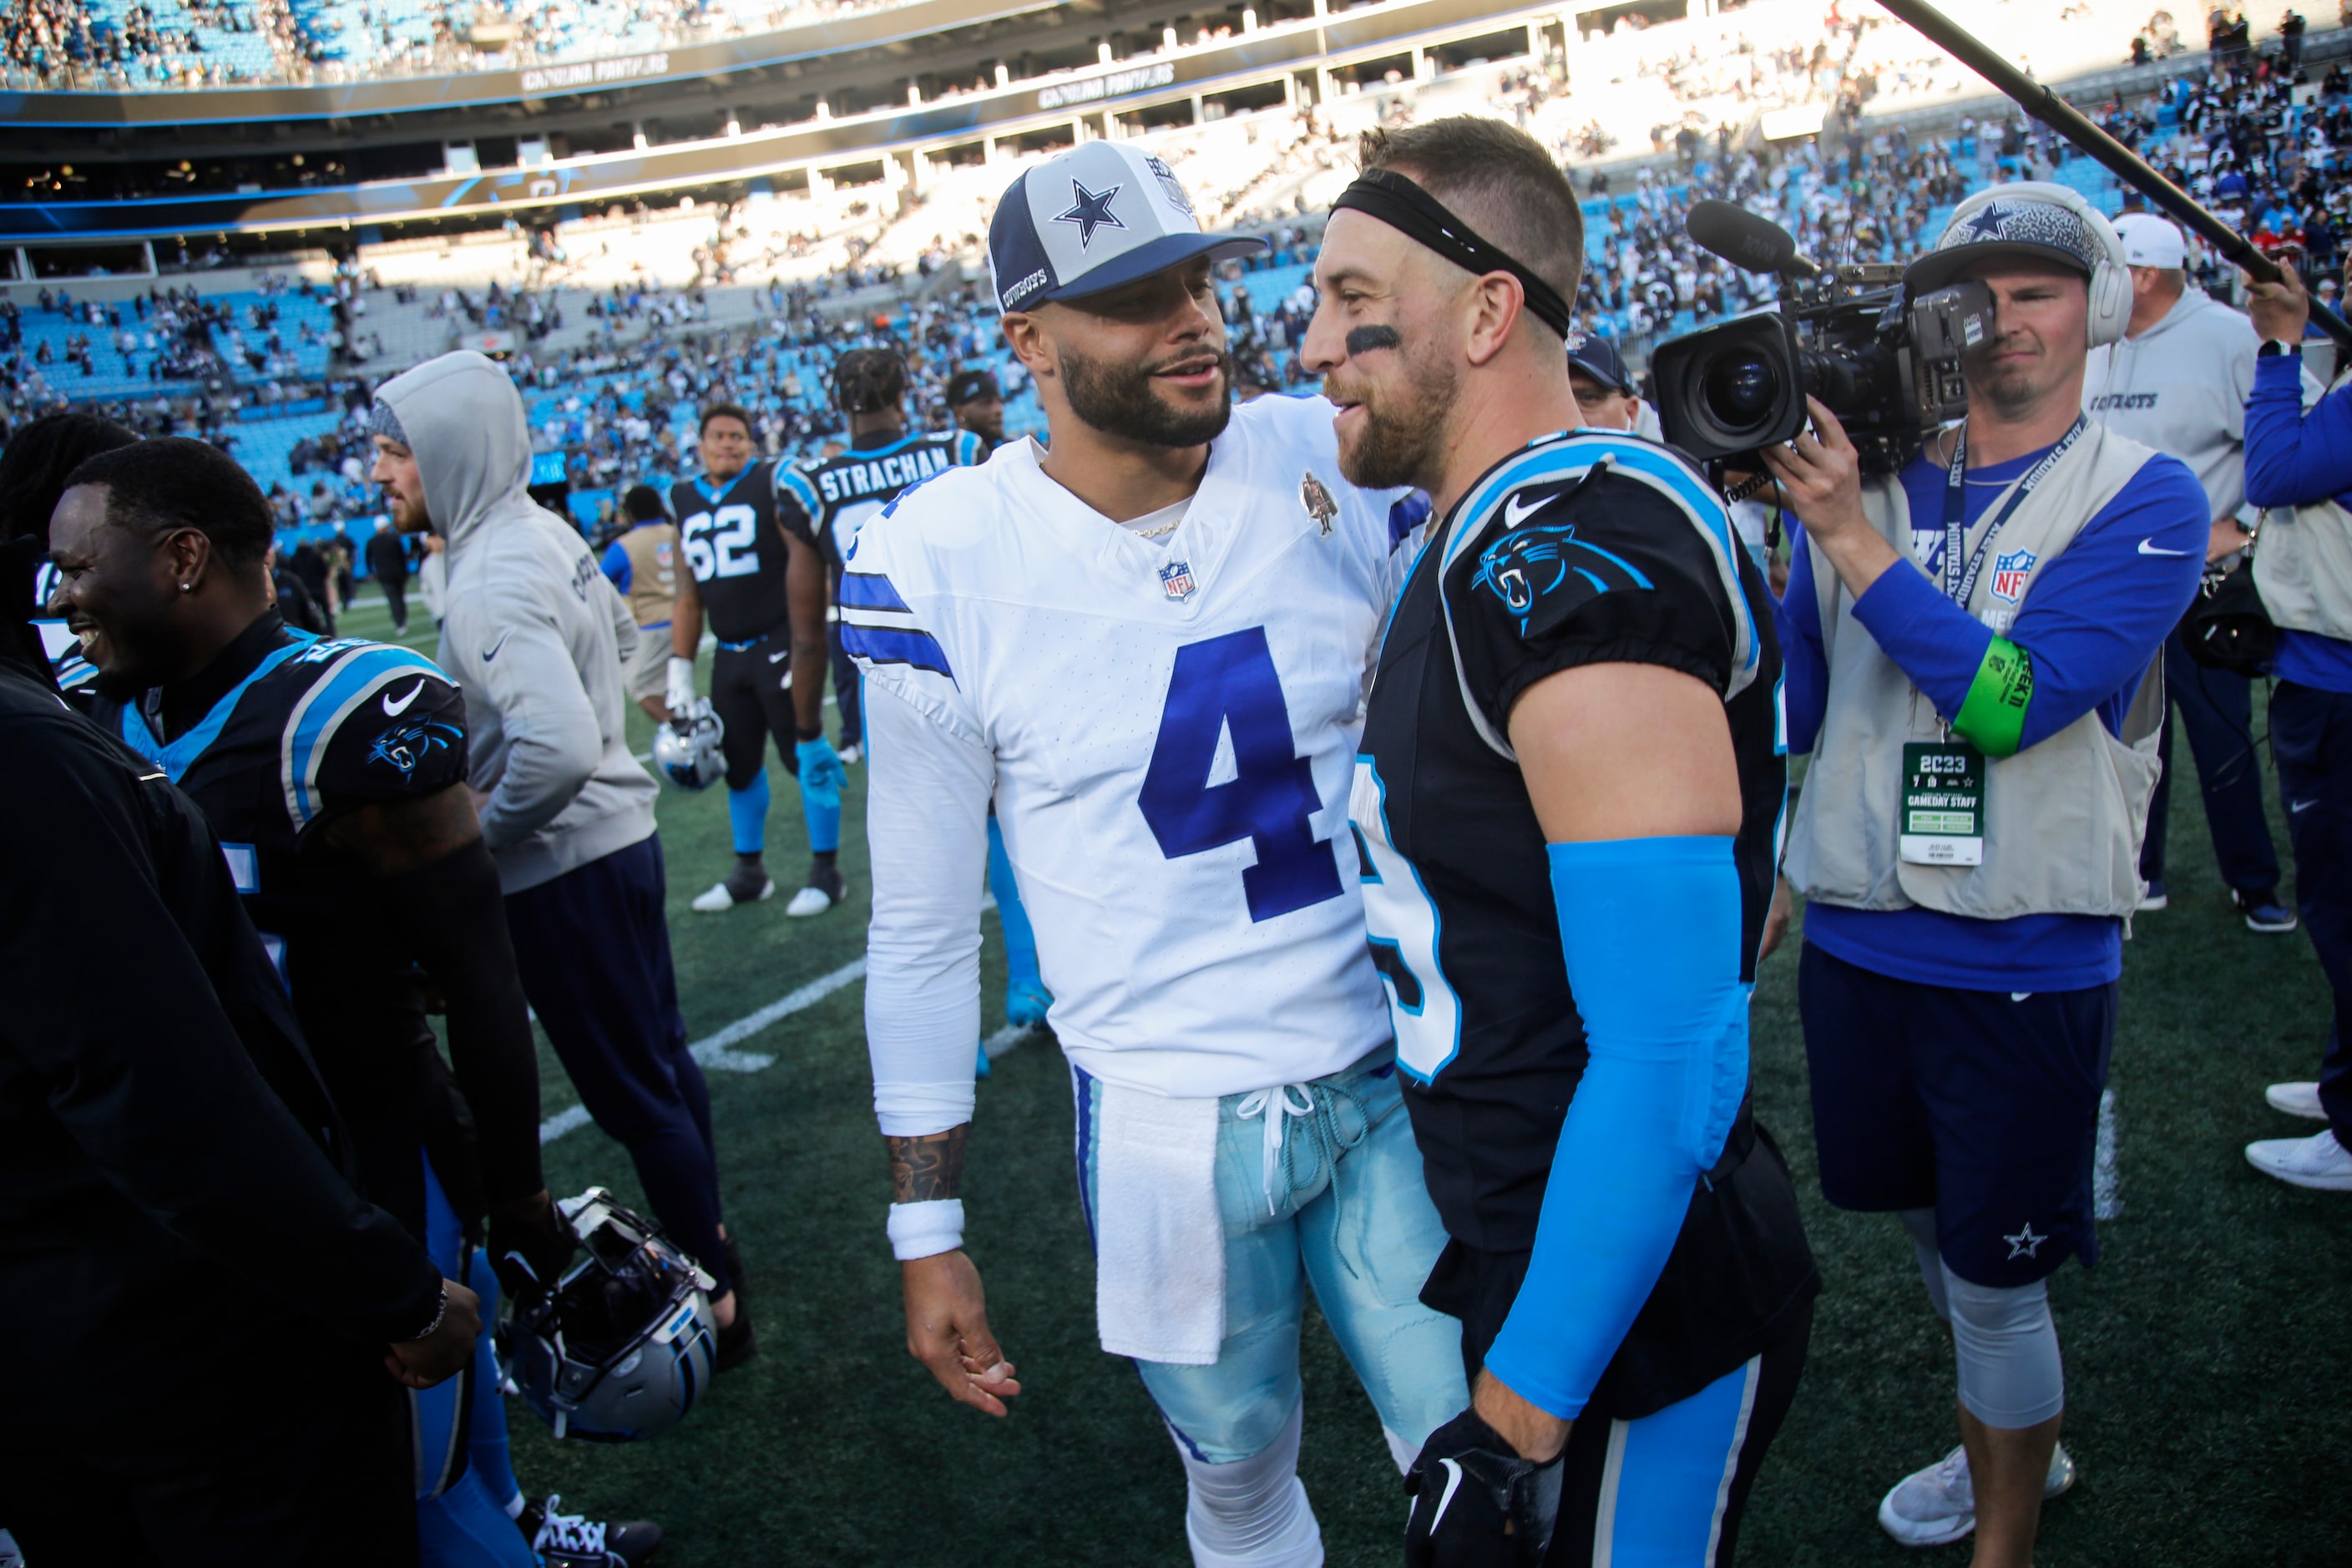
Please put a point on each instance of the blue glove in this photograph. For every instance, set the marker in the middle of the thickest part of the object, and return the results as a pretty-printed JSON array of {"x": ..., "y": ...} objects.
[
  {"x": 822, "y": 776},
  {"x": 820, "y": 769}
]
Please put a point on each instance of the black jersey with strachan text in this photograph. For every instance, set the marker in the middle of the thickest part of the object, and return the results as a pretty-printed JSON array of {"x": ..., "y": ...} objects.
[
  {"x": 727, "y": 533},
  {"x": 1584, "y": 549},
  {"x": 304, "y": 729},
  {"x": 826, "y": 500}
]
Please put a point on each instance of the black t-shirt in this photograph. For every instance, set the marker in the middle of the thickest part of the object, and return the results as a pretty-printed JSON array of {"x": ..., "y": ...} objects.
[
  {"x": 281, "y": 734},
  {"x": 728, "y": 535},
  {"x": 1585, "y": 549}
]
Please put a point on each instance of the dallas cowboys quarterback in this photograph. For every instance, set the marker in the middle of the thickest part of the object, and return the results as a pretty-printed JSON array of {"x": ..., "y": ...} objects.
[
  {"x": 1149, "y": 645},
  {"x": 1568, "y": 804}
]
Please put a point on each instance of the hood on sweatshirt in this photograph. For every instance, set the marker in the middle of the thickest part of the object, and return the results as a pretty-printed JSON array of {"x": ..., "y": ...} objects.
[{"x": 466, "y": 423}]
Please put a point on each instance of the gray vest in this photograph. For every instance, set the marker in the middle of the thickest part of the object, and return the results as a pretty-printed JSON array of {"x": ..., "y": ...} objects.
[
  {"x": 2303, "y": 565},
  {"x": 2063, "y": 818}
]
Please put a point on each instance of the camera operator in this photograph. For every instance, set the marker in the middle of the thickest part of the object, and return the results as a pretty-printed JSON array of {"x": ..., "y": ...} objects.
[
  {"x": 2177, "y": 382},
  {"x": 1972, "y": 649},
  {"x": 2299, "y": 469}
]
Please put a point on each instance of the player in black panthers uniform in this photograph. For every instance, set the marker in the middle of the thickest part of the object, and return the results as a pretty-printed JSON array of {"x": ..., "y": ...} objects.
[
  {"x": 1567, "y": 804},
  {"x": 333, "y": 773},
  {"x": 764, "y": 591}
]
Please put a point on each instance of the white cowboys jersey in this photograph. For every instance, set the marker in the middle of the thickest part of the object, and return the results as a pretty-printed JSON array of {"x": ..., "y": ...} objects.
[{"x": 1170, "y": 729}]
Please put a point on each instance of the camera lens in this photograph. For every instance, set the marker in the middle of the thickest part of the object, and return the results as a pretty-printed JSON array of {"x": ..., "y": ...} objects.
[{"x": 1741, "y": 389}]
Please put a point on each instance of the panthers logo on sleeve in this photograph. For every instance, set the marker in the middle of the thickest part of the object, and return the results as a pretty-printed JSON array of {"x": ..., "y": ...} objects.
[{"x": 1535, "y": 564}]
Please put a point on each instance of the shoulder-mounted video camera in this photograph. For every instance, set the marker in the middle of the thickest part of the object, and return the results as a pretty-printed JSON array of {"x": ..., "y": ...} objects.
[{"x": 1888, "y": 367}]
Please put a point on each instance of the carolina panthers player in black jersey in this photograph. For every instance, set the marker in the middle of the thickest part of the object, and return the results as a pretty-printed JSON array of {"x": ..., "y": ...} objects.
[
  {"x": 333, "y": 773},
  {"x": 764, "y": 591},
  {"x": 1567, "y": 805}
]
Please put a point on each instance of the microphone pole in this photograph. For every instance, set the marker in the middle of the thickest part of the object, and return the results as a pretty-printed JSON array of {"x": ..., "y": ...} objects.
[{"x": 2135, "y": 171}]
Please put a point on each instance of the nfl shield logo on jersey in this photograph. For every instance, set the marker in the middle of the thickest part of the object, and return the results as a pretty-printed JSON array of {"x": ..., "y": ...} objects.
[
  {"x": 1176, "y": 580},
  {"x": 2009, "y": 574}
]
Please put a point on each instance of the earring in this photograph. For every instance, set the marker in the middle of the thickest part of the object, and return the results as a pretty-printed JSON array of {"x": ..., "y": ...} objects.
[{"x": 187, "y": 587}]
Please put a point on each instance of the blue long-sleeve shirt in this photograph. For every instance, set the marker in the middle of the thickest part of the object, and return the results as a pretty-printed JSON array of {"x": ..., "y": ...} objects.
[
  {"x": 2295, "y": 458},
  {"x": 2093, "y": 624}
]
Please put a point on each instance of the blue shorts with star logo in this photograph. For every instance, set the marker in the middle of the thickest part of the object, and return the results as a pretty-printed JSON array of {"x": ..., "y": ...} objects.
[{"x": 1981, "y": 1105}]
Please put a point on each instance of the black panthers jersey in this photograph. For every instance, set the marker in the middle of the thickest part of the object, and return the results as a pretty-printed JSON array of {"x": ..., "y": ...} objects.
[
  {"x": 1584, "y": 549},
  {"x": 301, "y": 731},
  {"x": 827, "y": 500},
  {"x": 732, "y": 546}
]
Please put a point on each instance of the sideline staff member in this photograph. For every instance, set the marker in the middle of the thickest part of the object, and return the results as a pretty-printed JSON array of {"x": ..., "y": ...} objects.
[
  {"x": 643, "y": 564},
  {"x": 2177, "y": 382},
  {"x": 2299, "y": 465},
  {"x": 1972, "y": 653}
]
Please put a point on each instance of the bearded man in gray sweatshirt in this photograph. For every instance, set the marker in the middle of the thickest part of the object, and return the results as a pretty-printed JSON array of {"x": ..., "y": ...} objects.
[
  {"x": 531, "y": 632},
  {"x": 2177, "y": 382}
]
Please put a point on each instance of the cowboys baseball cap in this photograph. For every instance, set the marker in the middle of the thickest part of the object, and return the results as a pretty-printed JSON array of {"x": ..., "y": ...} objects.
[
  {"x": 2151, "y": 241},
  {"x": 2026, "y": 218},
  {"x": 1597, "y": 357},
  {"x": 1093, "y": 219}
]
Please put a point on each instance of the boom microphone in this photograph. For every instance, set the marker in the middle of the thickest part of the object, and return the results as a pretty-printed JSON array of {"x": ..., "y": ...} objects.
[{"x": 1746, "y": 241}]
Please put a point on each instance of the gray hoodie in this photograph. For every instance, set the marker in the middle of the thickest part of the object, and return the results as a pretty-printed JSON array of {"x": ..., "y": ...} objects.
[{"x": 531, "y": 631}]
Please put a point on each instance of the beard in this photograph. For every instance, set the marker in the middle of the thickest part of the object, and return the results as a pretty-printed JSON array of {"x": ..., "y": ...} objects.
[
  {"x": 1118, "y": 400},
  {"x": 1403, "y": 437}
]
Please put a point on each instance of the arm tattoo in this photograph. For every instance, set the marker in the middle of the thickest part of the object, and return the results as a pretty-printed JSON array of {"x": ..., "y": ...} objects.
[{"x": 925, "y": 1168}]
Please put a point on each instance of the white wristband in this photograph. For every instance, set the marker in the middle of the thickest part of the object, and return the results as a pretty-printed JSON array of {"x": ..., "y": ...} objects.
[{"x": 926, "y": 1230}]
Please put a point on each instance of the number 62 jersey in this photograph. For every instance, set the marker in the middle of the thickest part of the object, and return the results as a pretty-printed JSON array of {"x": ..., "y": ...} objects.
[{"x": 1168, "y": 728}]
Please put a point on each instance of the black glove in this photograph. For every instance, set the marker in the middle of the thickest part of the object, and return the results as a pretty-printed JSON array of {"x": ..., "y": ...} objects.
[
  {"x": 529, "y": 1245},
  {"x": 1476, "y": 1503}
]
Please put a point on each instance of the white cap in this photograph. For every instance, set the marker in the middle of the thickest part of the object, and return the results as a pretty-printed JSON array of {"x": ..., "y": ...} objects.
[{"x": 2151, "y": 241}]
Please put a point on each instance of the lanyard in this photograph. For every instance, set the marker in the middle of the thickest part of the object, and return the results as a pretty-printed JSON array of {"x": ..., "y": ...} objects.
[{"x": 1956, "y": 586}]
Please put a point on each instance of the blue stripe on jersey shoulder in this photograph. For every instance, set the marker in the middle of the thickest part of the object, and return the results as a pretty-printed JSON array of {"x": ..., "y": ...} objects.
[
  {"x": 969, "y": 448},
  {"x": 893, "y": 645},
  {"x": 354, "y": 675},
  {"x": 1569, "y": 457},
  {"x": 869, "y": 591},
  {"x": 793, "y": 479}
]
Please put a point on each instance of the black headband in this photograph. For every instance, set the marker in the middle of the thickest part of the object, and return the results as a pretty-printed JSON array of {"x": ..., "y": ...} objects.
[{"x": 1415, "y": 214}]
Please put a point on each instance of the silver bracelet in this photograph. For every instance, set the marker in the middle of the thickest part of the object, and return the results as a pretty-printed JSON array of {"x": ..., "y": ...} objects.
[{"x": 440, "y": 1310}]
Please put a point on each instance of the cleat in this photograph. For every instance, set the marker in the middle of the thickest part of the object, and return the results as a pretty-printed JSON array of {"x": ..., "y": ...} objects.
[
  {"x": 1025, "y": 1001},
  {"x": 826, "y": 888},
  {"x": 2317, "y": 1162},
  {"x": 575, "y": 1541},
  {"x": 2155, "y": 899},
  {"x": 2263, "y": 912},
  {"x": 1936, "y": 1506},
  {"x": 851, "y": 754},
  {"x": 736, "y": 889},
  {"x": 736, "y": 1343},
  {"x": 2296, "y": 1099}
]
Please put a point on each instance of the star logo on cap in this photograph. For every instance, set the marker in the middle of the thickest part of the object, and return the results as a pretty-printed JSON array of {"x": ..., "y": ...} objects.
[
  {"x": 1988, "y": 221},
  {"x": 1091, "y": 212}
]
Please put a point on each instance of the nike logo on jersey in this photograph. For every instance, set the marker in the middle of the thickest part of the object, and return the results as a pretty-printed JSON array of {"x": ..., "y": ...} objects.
[
  {"x": 394, "y": 710},
  {"x": 1445, "y": 1498},
  {"x": 491, "y": 652},
  {"x": 1519, "y": 510},
  {"x": 2300, "y": 807},
  {"x": 2149, "y": 547},
  {"x": 780, "y": 657}
]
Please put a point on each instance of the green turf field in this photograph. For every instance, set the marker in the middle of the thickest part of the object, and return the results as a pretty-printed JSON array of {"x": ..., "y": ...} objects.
[{"x": 2206, "y": 1357}]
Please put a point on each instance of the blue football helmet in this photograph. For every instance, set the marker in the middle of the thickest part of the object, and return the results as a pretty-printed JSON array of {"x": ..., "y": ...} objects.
[{"x": 687, "y": 749}]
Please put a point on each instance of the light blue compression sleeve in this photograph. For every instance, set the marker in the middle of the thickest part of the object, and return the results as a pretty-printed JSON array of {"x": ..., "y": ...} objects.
[
  {"x": 1020, "y": 937},
  {"x": 747, "y": 814},
  {"x": 1651, "y": 928},
  {"x": 821, "y": 804}
]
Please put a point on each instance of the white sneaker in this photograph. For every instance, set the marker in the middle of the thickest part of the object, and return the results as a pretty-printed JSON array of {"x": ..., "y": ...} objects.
[
  {"x": 2296, "y": 1099},
  {"x": 2318, "y": 1161},
  {"x": 1936, "y": 1506},
  {"x": 852, "y": 754},
  {"x": 826, "y": 888},
  {"x": 722, "y": 897}
]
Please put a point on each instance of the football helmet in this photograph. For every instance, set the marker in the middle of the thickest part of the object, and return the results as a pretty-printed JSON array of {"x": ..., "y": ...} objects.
[
  {"x": 686, "y": 751},
  {"x": 624, "y": 1344}
]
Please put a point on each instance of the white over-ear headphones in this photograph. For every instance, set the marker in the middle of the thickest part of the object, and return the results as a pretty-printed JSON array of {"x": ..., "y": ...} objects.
[{"x": 2111, "y": 284}]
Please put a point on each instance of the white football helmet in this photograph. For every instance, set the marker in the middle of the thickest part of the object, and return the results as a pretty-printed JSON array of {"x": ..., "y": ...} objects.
[{"x": 686, "y": 751}]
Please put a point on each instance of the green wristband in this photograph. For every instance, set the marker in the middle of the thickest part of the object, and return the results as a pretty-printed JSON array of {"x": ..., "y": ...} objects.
[{"x": 1993, "y": 718}]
